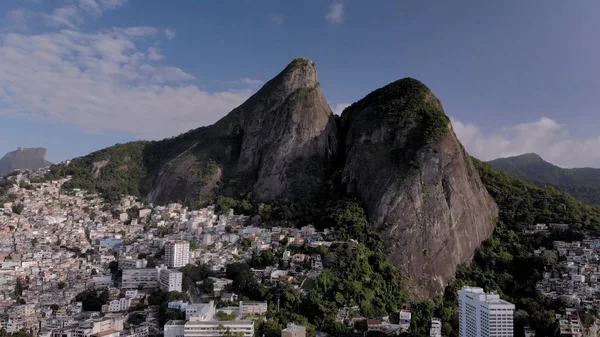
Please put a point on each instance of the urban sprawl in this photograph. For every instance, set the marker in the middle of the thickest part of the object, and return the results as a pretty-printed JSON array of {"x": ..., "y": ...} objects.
[{"x": 74, "y": 266}]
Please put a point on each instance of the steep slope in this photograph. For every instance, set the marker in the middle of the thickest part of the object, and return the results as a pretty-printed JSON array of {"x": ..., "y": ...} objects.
[
  {"x": 582, "y": 183},
  {"x": 416, "y": 182},
  {"x": 277, "y": 144},
  {"x": 24, "y": 159}
]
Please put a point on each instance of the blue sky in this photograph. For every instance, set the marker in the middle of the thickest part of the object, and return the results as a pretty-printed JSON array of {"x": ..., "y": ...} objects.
[{"x": 515, "y": 76}]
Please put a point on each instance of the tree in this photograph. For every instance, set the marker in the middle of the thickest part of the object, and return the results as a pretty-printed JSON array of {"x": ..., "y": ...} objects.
[
  {"x": 61, "y": 285},
  {"x": 245, "y": 243},
  {"x": 18, "y": 289},
  {"x": 136, "y": 318},
  {"x": 224, "y": 204},
  {"x": 21, "y": 333},
  {"x": 113, "y": 266},
  {"x": 18, "y": 208},
  {"x": 91, "y": 301},
  {"x": 222, "y": 316},
  {"x": 208, "y": 286}
]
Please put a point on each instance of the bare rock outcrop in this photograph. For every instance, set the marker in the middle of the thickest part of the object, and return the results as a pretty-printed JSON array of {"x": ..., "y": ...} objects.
[
  {"x": 24, "y": 159},
  {"x": 278, "y": 143},
  {"x": 417, "y": 183}
]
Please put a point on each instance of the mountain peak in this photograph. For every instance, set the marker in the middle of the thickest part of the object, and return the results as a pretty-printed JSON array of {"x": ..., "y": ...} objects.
[
  {"x": 301, "y": 72},
  {"x": 280, "y": 141},
  {"x": 526, "y": 159},
  {"x": 23, "y": 159},
  {"x": 581, "y": 183},
  {"x": 416, "y": 182},
  {"x": 531, "y": 156}
]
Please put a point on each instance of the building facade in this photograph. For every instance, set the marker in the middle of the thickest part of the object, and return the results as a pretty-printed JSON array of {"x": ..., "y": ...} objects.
[
  {"x": 218, "y": 328},
  {"x": 145, "y": 278},
  {"x": 170, "y": 280},
  {"x": 252, "y": 308},
  {"x": 436, "y": 328},
  {"x": 293, "y": 330},
  {"x": 484, "y": 315},
  {"x": 177, "y": 253}
]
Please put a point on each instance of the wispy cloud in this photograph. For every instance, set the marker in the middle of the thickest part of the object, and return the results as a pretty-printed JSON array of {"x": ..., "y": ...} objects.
[
  {"x": 169, "y": 33},
  {"x": 71, "y": 15},
  {"x": 336, "y": 13},
  {"x": 245, "y": 82},
  {"x": 250, "y": 81},
  {"x": 107, "y": 80},
  {"x": 339, "y": 108},
  {"x": 278, "y": 20},
  {"x": 545, "y": 137}
]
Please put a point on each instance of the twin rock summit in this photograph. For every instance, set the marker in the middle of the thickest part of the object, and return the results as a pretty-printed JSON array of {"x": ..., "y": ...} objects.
[{"x": 394, "y": 150}]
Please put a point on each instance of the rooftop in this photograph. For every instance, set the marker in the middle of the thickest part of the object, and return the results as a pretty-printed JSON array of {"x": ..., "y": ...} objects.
[{"x": 105, "y": 333}]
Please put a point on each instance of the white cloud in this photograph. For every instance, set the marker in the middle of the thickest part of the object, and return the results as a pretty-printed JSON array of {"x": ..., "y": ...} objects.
[
  {"x": 154, "y": 54},
  {"x": 18, "y": 18},
  {"x": 545, "y": 137},
  {"x": 169, "y": 33},
  {"x": 71, "y": 15},
  {"x": 278, "y": 20},
  {"x": 245, "y": 82},
  {"x": 109, "y": 80},
  {"x": 336, "y": 13},
  {"x": 339, "y": 108},
  {"x": 251, "y": 82}
]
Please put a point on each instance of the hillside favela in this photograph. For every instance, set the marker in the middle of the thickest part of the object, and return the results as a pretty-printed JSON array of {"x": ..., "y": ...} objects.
[{"x": 181, "y": 169}]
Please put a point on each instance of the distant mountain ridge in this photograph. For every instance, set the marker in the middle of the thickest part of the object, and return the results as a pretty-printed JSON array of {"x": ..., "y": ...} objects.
[
  {"x": 581, "y": 183},
  {"x": 24, "y": 159}
]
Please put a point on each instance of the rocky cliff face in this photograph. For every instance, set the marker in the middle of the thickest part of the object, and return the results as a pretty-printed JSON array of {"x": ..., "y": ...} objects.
[
  {"x": 395, "y": 149},
  {"x": 23, "y": 159},
  {"x": 278, "y": 143},
  {"x": 417, "y": 183}
]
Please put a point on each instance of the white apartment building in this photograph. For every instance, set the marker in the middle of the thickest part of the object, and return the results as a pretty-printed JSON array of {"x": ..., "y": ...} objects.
[
  {"x": 200, "y": 311},
  {"x": 107, "y": 326},
  {"x": 174, "y": 329},
  {"x": 129, "y": 263},
  {"x": 208, "y": 328},
  {"x": 118, "y": 305},
  {"x": 484, "y": 315},
  {"x": 217, "y": 328},
  {"x": 252, "y": 308},
  {"x": 103, "y": 281},
  {"x": 170, "y": 280},
  {"x": 147, "y": 278},
  {"x": 177, "y": 253},
  {"x": 436, "y": 328},
  {"x": 201, "y": 323}
]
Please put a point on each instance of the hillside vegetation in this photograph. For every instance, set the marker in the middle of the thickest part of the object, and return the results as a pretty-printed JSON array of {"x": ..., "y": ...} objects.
[
  {"x": 505, "y": 263},
  {"x": 581, "y": 183}
]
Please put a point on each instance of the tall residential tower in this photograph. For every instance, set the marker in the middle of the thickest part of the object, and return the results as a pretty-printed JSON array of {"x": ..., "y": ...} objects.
[
  {"x": 177, "y": 253},
  {"x": 484, "y": 315}
]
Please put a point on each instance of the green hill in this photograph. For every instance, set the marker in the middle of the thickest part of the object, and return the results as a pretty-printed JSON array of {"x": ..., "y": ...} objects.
[{"x": 582, "y": 183}]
